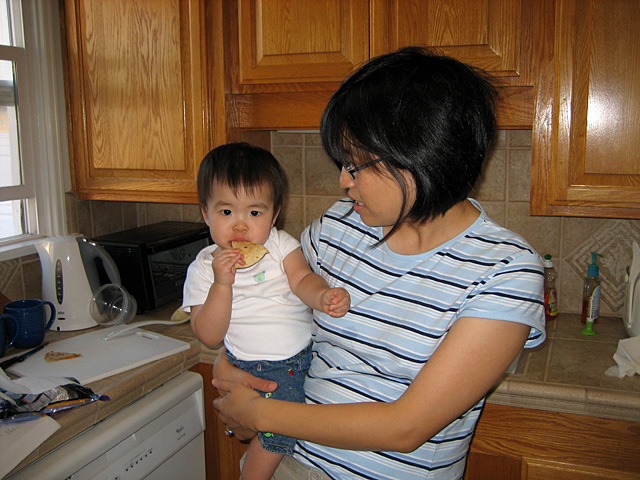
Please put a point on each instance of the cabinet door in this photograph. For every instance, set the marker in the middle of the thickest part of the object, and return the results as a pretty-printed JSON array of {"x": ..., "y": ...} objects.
[
  {"x": 586, "y": 155},
  {"x": 540, "y": 470},
  {"x": 503, "y": 37},
  {"x": 136, "y": 99},
  {"x": 533, "y": 444},
  {"x": 222, "y": 453},
  {"x": 488, "y": 34},
  {"x": 300, "y": 41}
]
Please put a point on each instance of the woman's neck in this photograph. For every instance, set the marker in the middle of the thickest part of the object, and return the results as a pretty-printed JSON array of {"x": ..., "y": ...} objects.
[{"x": 412, "y": 239}]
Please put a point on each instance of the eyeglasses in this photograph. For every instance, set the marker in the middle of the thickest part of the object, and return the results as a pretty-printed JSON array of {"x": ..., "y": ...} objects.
[{"x": 352, "y": 170}]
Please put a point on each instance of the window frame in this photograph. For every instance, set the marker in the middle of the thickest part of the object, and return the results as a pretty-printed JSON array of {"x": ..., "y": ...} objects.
[{"x": 42, "y": 120}]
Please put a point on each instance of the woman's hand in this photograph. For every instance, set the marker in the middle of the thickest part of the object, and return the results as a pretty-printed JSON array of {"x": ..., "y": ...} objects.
[
  {"x": 223, "y": 370},
  {"x": 235, "y": 405},
  {"x": 225, "y": 376}
]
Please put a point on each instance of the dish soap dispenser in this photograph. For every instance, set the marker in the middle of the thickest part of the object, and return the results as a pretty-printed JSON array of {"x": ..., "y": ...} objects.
[
  {"x": 591, "y": 292},
  {"x": 550, "y": 293}
]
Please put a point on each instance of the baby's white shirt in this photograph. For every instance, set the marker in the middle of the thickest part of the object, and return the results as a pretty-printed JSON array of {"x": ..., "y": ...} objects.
[{"x": 268, "y": 321}]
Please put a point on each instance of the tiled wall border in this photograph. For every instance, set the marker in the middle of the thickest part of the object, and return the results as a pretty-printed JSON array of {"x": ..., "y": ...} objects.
[{"x": 503, "y": 190}]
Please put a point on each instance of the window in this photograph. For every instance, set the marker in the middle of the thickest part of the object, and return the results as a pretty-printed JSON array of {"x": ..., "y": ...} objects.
[{"x": 32, "y": 125}]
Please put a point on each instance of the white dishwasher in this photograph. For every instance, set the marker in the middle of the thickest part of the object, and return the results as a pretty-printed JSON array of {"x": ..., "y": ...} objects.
[{"x": 158, "y": 437}]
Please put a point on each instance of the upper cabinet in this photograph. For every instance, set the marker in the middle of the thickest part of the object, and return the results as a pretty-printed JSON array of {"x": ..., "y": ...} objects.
[
  {"x": 152, "y": 85},
  {"x": 286, "y": 57},
  {"x": 136, "y": 86},
  {"x": 301, "y": 41},
  {"x": 506, "y": 38},
  {"x": 586, "y": 155}
]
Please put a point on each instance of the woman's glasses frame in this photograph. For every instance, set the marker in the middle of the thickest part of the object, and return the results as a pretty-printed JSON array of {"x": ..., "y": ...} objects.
[{"x": 353, "y": 170}]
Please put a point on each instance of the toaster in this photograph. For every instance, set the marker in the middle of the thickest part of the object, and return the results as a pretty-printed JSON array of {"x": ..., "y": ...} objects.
[{"x": 153, "y": 259}]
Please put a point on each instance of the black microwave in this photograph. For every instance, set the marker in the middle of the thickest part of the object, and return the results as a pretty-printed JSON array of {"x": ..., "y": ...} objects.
[{"x": 153, "y": 259}]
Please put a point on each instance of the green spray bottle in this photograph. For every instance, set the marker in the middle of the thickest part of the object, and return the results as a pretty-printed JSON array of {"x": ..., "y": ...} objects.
[{"x": 591, "y": 294}]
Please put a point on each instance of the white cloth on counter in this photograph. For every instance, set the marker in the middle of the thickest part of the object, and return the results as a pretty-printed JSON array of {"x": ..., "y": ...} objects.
[
  {"x": 627, "y": 357},
  {"x": 31, "y": 385}
]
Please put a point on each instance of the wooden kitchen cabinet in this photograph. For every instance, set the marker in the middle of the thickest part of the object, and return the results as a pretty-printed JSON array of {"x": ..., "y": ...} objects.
[
  {"x": 506, "y": 38},
  {"x": 138, "y": 93},
  {"x": 280, "y": 42},
  {"x": 222, "y": 453},
  {"x": 520, "y": 443},
  {"x": 586, "y": 148},
  {"x": 510, "y": 443},
  {"x": 286, "y": 57}
]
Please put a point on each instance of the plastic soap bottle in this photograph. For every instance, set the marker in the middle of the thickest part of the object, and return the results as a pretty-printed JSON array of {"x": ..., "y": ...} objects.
[
  {"x": 550, "y": 293},
  {"x": 591, "y": 293}
]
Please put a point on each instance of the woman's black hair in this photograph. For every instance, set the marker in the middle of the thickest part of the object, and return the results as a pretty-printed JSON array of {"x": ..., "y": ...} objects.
[
  {"x": 424, "y": 114},
  {"x": 241, "y": 166}
]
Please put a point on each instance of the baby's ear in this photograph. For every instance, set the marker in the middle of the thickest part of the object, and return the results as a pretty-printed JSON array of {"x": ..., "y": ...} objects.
[
  {"x": 275, "y": 217},
  {"x": 203, "y": 211}
]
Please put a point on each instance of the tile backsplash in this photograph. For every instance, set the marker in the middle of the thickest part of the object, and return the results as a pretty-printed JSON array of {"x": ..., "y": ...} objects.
[{"x": 313, "y": 185}]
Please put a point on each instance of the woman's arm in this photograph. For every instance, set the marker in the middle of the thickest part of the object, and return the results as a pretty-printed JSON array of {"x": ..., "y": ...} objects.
[
  {"x": 468, "y": 362},
  {"x": 312, "y": 289}
]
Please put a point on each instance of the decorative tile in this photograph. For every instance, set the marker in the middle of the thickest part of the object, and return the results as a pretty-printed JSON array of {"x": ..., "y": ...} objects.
[
  {"x": 500, "y": 140},
  {"x": 191, "y": 213},
  {"x": 290, "y": 159},
  {"x": 503, "y": 190},
  {"x": 316, "y": 206},
  {"x": 84, "y": 221},
  {"x": 520, "y": 138},
  {"x": 106, "y": 216},
  {"x": 129, "y": 215},
  {"x": 497, "y": 211},
  {"x": 543, "y": 233},
  {"x": 292, "y": 217},
  {"x": 32, "y": 277},
  {"x": 613, "y": 241},
  {"x": 71, "y": 208},
  {"x": 158, "y": 212},
  {"x": 321, "y": 174},
  {"x": 7, "y": 270},
  {"x": 312, "y": 140},
  {"x": 491, "y": 186},
  {"x": 286, "y": 138},
  {"x": 519, "y": 175}
]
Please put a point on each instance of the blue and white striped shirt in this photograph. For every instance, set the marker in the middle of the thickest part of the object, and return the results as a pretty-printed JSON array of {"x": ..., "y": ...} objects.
[{"x": 401, "y": 309}]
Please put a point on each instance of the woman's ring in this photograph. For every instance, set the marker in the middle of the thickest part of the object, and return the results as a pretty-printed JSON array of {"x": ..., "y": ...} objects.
[{"x": 228, "y": 432}]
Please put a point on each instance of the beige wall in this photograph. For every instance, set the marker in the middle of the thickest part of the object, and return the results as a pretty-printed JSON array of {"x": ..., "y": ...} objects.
[{"x": 503, "y": 190}]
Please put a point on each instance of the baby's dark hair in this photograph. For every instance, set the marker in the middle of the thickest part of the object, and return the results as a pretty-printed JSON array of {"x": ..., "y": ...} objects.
[
  {"x": 241, "y": 166},
  {"x": 422, "y": 113}
]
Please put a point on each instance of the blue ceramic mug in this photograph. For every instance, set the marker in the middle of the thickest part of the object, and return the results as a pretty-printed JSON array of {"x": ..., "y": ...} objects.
[
  {"x": 31, "y": 321},
  {"x": 5, "y": 320}
]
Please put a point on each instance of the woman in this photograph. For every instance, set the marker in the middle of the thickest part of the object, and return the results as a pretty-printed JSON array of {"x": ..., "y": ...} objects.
[{"x": 442, "y": 298}]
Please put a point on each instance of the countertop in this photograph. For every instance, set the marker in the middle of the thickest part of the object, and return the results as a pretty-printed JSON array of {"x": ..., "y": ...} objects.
[{"x": 565, "y": 374}]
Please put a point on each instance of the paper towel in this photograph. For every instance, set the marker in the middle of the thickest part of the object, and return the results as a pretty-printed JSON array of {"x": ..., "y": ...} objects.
[{"x": 627, "y": 357}]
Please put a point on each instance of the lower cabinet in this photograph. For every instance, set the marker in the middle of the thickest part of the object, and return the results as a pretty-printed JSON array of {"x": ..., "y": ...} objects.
[
  {"x": 510, "y": 443},
  {"x": 520, "y": 443},
  {"x": 222, "y": 453}
]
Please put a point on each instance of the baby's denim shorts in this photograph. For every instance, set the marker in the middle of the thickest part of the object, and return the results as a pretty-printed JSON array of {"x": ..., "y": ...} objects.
[{"x": 290, "y": 375}]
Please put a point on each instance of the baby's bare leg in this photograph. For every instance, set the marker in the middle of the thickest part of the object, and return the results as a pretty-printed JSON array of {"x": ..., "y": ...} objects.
[{"x": 258, "y": 463}]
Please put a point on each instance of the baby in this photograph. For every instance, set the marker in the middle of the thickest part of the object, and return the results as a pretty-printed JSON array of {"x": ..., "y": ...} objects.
[{"x": 261, "y": 311}]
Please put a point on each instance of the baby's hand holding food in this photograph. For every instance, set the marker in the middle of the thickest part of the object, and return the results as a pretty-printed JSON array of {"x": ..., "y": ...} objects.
[
  {"x": 336, "y": 302},
  {"x": 224, "y": 261}
]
